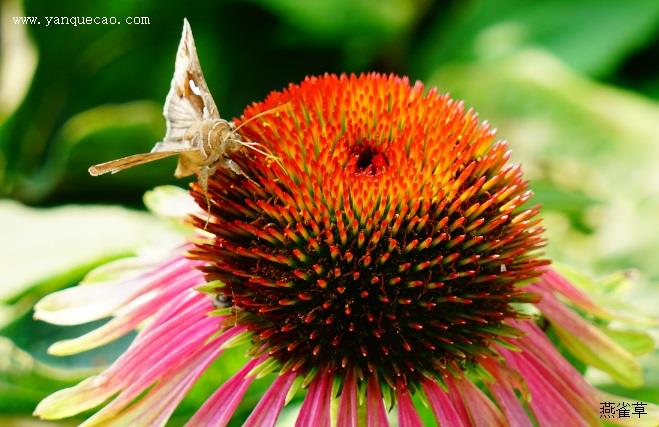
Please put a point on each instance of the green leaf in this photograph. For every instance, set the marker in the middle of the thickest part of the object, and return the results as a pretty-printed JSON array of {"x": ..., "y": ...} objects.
[
  {"x": 607, "y": 296},
  {"x": 604, "y": 354},
  {"x": 18, "y": 60},
  {"x": 635, "y": 342},
  {"x": 24, "y": 381},
  {"x": 591, "y": 36},
  {"x": 55, "y": 246},
  {"x": 101, "y": 133},
  {"x": 362, "y": 29},
  {"x": 648, "y": 392},
  {"x": 324, "y": 20}
]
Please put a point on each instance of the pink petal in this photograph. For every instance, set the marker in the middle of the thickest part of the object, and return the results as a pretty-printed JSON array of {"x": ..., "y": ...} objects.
[
  {"x": 99, "y": 297},
  {"x": 481, "y": 409},
  {"x": 125, "y": 320},
  {"x": 146, "y": 359},
  {"x": 537, "y": 343},
  {"x": 267, "y": 411},
  {"x": 156, "y": 407},
  {"x": 158, "y": 350},
  {"x": 552, "y": 281},
  {"x": 407, "y": 415},
  {"x": 589, "y": 344},
  {"x": 551, "y": 402},
  {"x": 186, "y": 305},
  {"x": 376, "y": 413},
  {"x": 457, "y": 400},
  {"x": 445, "y": 413},
  {"x": 505, "y": 396},
  {"x": 510, "y": 405},
  {"x": 219, "y": 408},
  {"x": 173, "y": 379},
  {"x": 348, "y": 416},
  {"x": 316, "y": 407}
]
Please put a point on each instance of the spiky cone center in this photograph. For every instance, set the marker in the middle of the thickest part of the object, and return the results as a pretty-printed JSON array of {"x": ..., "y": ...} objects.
[{"x": 388, "y": 238}]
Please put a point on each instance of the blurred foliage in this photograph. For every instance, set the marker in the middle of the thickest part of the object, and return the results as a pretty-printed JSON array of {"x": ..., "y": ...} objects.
[
  {"x": 593, "y": 37},
  {"x": 572, "y": 85}
]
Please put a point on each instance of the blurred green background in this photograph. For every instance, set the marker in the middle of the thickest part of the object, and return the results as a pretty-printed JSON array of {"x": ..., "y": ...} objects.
[{"x": 574, "y": 85}]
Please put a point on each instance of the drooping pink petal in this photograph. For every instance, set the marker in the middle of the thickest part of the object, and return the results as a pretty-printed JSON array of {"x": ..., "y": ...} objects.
[
  {"x": 156, "y": 347},
  {"x": 407, "y": 414},
  {"x": 482, "y": 411},
  {"x": 590, "y": 344},
  {"x": 510, "y": 405},
  {"x": 165, "y": 342},
  {"x": 445, "y": 413},
  {"x": 152, "y": 369},
  {"x": 348, "y": 416},
  {"x": 267, "y": 411},
  {"x": 537, "y": 343},
  {"x": 67, "y": 402},
  {"x": 552, "y": 281},
  {"x": 175, "y": 377},
  {"x": 219, "y": 408},
  {"x": 155, "y": 408},
  {"x": 457, "y": 401},
  {"x": 128, "y": 318},
  {"x": 551, "y": 401},
  {"x": 185, "y": 306},
  {"x": 584, "y": 404},
  {"x": 502, "y": 389},
  {"x": 315, "y": 410},
  {"x": 376, "y": 414},
  {"x": 104, "y": 296}
]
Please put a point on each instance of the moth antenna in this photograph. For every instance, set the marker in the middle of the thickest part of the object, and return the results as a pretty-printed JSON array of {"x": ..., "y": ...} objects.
[
  {"x": 252, "y": 144},
  {"x": 274, "y": 110}
]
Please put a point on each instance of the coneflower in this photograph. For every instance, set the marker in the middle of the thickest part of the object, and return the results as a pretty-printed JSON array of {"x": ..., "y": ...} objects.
[{"x": 387, "y": 248}]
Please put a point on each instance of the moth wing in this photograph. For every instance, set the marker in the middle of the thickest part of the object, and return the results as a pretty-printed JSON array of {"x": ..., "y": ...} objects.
[
  {"x": 189, "y": 101},
  {"x": 188, "y": 164},
  {"x": 189, "y": 160},
  {"x": 114, "y": 166}
]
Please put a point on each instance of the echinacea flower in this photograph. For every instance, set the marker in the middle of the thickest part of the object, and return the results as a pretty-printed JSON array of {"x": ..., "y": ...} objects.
[{"x": 386, "y": 249}]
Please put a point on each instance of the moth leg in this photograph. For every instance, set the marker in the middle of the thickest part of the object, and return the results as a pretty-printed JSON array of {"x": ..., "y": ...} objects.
[
  {"x": 233, "y": 167},
  {"x": 204, "y": 173}
]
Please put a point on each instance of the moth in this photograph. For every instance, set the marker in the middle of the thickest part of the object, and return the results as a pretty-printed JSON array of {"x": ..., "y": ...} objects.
[{"x": 195, "y": 131}]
